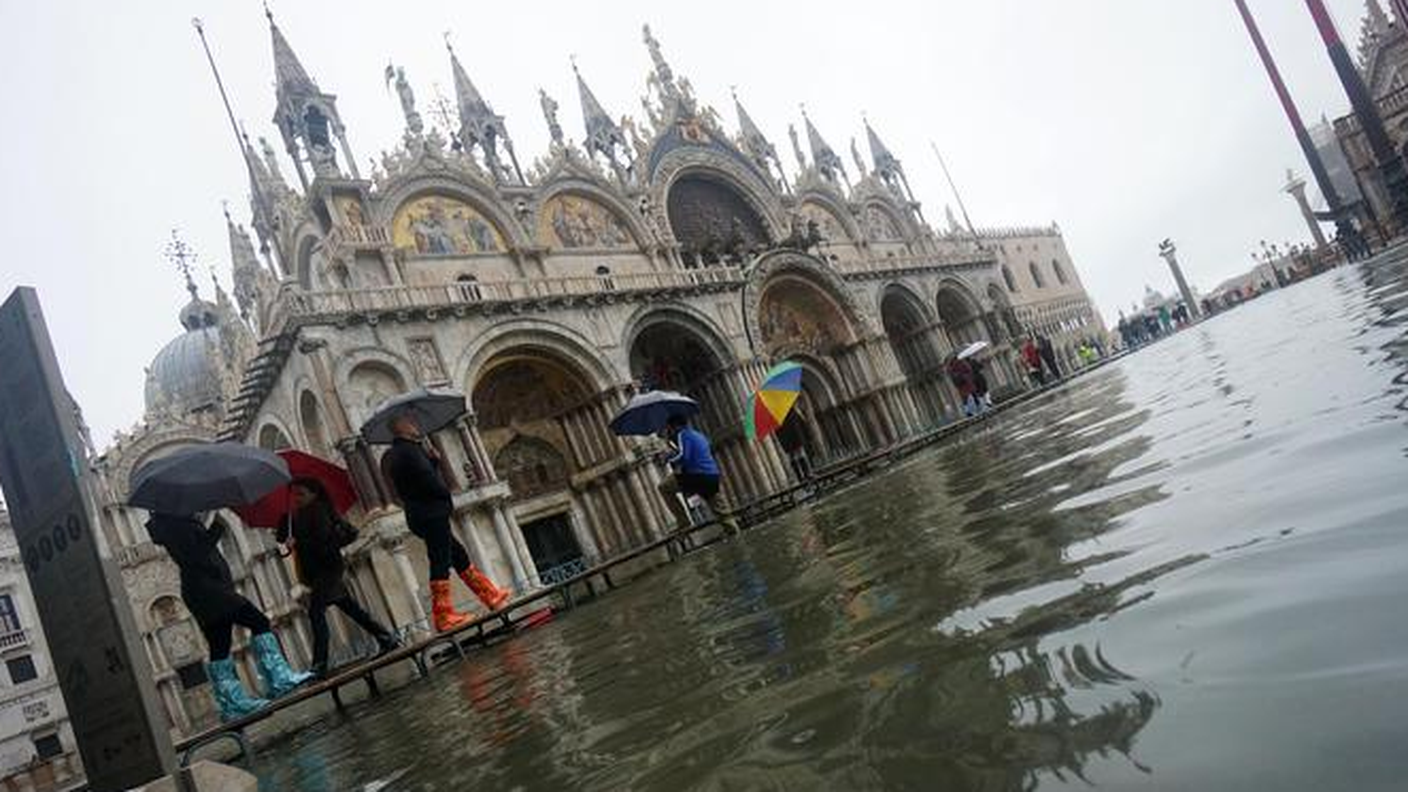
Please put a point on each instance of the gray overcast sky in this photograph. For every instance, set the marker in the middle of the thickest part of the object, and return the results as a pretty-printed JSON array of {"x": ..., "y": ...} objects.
[{"x": 1126, "y": 121}]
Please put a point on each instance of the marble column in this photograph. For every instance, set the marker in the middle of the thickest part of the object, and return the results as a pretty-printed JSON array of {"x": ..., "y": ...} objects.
[{"x": 521, "y": 580}]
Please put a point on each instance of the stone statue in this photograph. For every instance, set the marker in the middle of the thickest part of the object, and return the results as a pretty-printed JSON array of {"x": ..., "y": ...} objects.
[
  {"x": 408, "y": 99},
  {"x": 271, "y": 160},
  {"x": 550, "y": 114},
  {"x": 796, "y": 148},
  {"x": 860, "y": 163}
]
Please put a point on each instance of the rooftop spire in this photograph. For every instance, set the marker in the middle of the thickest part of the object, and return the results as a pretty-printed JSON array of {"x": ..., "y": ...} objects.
[
  {"x": 603, "y": 135},
  {"x": 290, "y": 78},
  {"x": 181, "y": 254},
  {"x": 480, "y": 126},
  {"x": 828, "y": 163},
  {"x": 879, "y": 153}
]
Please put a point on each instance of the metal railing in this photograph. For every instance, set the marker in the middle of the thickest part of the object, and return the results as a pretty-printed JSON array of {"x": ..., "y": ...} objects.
[
  {"x": 14, "y": 638},
  {"x": 889, "y": 264}
]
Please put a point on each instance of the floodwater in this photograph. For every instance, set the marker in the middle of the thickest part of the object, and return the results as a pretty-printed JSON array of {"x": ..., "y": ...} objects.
[{"x": 1187, "y": 571}]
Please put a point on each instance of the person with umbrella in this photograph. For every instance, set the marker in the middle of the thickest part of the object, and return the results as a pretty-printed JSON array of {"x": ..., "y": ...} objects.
[
  {"x": 696, "y": 473},
  {"x": 412, "y": 467},
  {"x": 175, "y": 489},
  {"x": 319, "y": 533}
]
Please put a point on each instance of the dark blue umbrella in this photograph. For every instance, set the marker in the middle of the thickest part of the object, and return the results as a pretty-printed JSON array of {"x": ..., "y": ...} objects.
[
  {"x": 433, "y": 410},
  {"x": 647, "y": 413},
  {"x": 204, "y": 477}
]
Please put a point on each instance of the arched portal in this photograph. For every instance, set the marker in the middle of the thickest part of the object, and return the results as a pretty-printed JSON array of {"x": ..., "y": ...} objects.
[
  {"x": 912, "y": 338},
  {"x": 821, "y": 429},
  {"x": 713, "y": 222},
  {"x": 540, "y": 425},
  {"x": 795, "y": 314},
  {"x": 272, "y": 438},
  {"x": 312, "y": 420}
]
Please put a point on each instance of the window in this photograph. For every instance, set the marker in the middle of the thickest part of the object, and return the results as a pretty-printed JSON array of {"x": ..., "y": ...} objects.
[
  {"x": 1011, "y": 281},
  {"x": 1060, "y": 273},
  {"x": 192, "y": 675},
  {"x": 9, "y": 617},
  {"x": 1036, "y": 276},
  {"x": 21, "y": 669},
  {"x": 48, "y": 746}
]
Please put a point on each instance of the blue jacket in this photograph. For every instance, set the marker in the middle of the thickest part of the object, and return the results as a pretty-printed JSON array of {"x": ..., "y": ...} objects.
[{"x": 694, "y": 457}]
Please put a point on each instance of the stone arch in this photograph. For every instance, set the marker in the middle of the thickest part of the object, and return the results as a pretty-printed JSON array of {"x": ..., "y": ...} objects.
[
  {"x": 370, "y": 382},
  {"x": 532, "y": 467},
  {"x": 819, "y": 206},
  {"x": 960, "y": 314},
  {"x": 151, "y": 445},
  {"x": 308, "y": 246},
  {"x": 1002, "y": 306},
  {"x": 881, "y": 223},
  {"x": 1059, "y": 271},
  {"x": 712, "y": 220},
  {"x": 543, "y": 335},
  {"x": 481, "y": 198},
  {"x": 547, "y": 233},
  {"x": 527, "y": 384},
  {"x": 720, "y": 166},
  {"x": 908, "y": 324},
  {"x": 271, "y": 437},
  {"x": 675, "y": 349},
  {"x": 1037, "y": 279},
  {"x": 310, "y": 417},
  {"x": 801, "y": 268}
]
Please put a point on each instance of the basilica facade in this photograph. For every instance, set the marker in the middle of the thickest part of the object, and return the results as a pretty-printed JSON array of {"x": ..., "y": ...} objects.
[{"x": 665, "y": 252}]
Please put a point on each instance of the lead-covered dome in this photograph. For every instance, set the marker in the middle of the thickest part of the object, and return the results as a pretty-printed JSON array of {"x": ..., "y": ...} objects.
[{"x": 186, "y": 375}]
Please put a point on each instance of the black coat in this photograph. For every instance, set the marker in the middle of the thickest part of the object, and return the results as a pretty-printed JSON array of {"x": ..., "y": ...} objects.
[
  {"x": 318, "y": 539},
  {"x": 207, "y": 587},
  {"x": 419, "y": 487}
]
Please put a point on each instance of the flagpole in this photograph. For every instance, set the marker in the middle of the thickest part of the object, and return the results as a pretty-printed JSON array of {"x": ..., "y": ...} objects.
[{"x": 954, "y": 188}]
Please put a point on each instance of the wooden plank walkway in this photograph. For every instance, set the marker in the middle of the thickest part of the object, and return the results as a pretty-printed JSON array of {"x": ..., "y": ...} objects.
[{"x": 560, "y": 596}]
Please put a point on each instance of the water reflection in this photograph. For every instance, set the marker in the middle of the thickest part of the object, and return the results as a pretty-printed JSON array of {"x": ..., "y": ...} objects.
[{"x": 1126, "y": 584}]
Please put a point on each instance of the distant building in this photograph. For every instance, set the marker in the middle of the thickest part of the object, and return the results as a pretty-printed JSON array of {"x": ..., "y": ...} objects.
[
  {"x": 1383, "y": 61},
  {"x": 37, "y": 749},
  {"x": 1336, "y": 164}
]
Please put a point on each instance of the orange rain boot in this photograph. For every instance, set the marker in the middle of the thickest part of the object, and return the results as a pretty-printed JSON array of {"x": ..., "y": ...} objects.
[
  {"x": 491, "y": 595},
  {"x": 442, "y": 608}
]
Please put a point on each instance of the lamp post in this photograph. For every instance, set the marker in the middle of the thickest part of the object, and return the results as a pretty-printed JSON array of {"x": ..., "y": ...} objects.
[
  {"x": 1391, "y": 169},
  {"x": 1170, "y": 254},
  {"x": 1346, "y": 233}
]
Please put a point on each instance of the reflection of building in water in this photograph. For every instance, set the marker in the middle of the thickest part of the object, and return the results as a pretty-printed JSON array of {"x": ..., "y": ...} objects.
[
  {"x": 667, "y": 251},
  {"x": 37, "y": 750}
]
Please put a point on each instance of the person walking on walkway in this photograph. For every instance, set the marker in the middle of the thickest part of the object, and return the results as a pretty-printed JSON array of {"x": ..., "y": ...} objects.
[
  {"x": 982, "y": 393},
  {"x": 961, "y": 374},
  {"x": 1032, "y": 357},
  {"x": 412, "y": 467},
  {"x": 319, "y": 535},
  {"x": 208, "y": 589},
  {"x": 695, "y": 474},
  {"x": 1048, "y": 356}
]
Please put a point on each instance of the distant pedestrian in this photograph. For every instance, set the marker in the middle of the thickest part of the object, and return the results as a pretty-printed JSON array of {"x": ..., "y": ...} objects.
[
  {"x": 319, "y": 534},
  {"x": 1086, "y": 353},
  {"x": 695, "y": 474},
  {"x": 208, "y": 589},
  {"x": 961, "y": 375},
  {"x": 981, "y": 392},
  {"x": 1032, "y": 357},
  {"x": 412, "y": 466},
  {"x": 1048, "y": 356}
]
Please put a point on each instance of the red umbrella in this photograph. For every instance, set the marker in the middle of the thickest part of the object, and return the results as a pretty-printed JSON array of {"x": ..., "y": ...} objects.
[{"x": 273, "y": 509}]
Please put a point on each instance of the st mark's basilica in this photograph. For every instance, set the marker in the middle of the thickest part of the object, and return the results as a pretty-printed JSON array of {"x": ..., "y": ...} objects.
[{"x": 667, "y": 251}]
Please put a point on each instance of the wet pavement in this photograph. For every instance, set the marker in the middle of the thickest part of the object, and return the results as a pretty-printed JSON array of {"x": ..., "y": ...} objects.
[{"x": 1184, "y": 571}]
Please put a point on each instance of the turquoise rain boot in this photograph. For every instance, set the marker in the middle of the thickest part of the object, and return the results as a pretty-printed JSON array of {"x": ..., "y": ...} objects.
[
  {"x": 230, "y": 696},
  {"x": 279, "y": 679}
]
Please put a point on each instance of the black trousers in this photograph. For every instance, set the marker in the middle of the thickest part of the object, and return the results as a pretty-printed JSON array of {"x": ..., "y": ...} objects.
[
  {"x": 318, "y": 618},
  {"x": 441, "y": 547},
  {"x": 220, "y": 633}
]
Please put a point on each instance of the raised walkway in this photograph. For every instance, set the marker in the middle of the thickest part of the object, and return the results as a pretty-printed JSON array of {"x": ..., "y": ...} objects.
[{"x": 543, "y": 604}]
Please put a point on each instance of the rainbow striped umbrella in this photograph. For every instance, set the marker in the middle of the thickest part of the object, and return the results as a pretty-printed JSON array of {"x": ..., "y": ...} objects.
[{"x": 774, "y": 400}]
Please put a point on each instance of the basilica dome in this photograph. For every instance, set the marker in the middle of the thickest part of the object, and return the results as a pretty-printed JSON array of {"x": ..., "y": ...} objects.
[{"x": 186, "y": 375}]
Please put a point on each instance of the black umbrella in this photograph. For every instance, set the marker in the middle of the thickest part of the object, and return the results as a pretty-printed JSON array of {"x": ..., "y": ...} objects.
[
  {"x": 432, "y": 410},
  {"x": 205, "y": 477},
  {"x": 647, "y": 413}
]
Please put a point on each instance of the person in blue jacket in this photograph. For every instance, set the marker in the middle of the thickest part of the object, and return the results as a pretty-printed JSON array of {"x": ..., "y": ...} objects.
[{"x": 696, "y": 473}]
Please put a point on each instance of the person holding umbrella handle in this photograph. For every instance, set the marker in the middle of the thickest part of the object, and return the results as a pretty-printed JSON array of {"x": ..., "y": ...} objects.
[
  {"x": 208, "y": 589},
  {"x": 318, "y": 534},
  {"x": 412, "y": 468}
]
